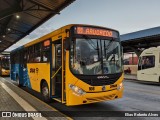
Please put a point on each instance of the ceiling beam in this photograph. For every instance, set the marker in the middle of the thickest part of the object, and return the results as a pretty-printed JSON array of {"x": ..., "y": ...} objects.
[
  {"x": 11, "y": 10},
  {"x": 33, "y": 15},
  {"x": 41, "y": 5}
]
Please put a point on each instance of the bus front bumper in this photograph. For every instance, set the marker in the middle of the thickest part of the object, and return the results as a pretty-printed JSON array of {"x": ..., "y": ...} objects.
[{"x": 93, "y": 97}]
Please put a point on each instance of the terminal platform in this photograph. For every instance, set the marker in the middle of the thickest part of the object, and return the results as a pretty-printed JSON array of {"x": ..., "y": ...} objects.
[
  {"x": 15, "y": 103},
  {"x": 130, "y": 76}
]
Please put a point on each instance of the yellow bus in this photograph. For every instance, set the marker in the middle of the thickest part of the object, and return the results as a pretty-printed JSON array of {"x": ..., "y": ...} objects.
[
  {"x": 76, "y": 64},
  {"x": 4, "y": 65}
]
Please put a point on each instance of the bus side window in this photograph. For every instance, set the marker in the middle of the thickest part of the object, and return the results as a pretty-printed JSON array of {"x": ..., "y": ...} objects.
[
  {"x": 148, "y": 62},
  {"x": 45, "y": 56},
  {"x": 37, "y": 53},
  {"x": 45, "y": 52},
  {"x": 25, "y": 59},
  {"x": 37, "y": 57},
  {"x": 31, "y": 54},
  {"x": 16, "y": 58}
]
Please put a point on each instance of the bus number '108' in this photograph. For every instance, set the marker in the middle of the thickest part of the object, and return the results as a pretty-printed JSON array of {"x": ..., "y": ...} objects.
[{"x": 91, "y": 88}]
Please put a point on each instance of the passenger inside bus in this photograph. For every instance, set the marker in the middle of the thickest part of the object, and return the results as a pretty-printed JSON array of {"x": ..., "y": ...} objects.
[
  {"x": 84, "y": 60},
  {"x": 147, "y": 62},
  {"x": 80, "y": 58},
  {"x": 37, "y": 59},
  {"x": 45, "y": 56}
]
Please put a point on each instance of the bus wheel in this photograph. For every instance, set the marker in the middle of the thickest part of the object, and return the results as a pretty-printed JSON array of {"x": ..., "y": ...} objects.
[
  {"x": 18, "y": 82},
  {"x": 45, "y": 92}
]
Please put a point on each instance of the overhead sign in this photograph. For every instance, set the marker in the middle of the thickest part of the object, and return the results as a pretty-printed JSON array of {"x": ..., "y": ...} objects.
[
  {"x": 46, "y": 43},
  {"x": 95, "y": 31}
]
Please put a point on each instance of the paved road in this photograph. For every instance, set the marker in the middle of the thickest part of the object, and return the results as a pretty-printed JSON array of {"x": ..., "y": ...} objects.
[{"x": 137, "y": 97}]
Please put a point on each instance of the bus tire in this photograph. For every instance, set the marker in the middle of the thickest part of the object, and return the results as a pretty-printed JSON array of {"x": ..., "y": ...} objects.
[
  {"x": 45, "y": 92},
  {"x": 18, "y": 82}
]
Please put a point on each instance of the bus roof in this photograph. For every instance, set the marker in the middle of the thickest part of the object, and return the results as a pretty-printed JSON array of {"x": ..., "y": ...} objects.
[
  {"x": 56, "y": 32},
  {"x": 150, "y": 51}
]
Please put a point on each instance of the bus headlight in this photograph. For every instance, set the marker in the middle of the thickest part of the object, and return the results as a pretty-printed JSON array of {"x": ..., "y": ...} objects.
[
  {"x": 3, "y": 70},
  {"x": 120, "y": 86},
  {"x": 76, "y": 89}
]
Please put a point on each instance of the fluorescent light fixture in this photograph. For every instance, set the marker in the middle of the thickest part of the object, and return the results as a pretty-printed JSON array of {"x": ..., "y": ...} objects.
[{"x": 17, "y": 16}]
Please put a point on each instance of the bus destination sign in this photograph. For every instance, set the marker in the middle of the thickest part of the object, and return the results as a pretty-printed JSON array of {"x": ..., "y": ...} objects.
[
  {"x": 95, "y": 31},
  {"x": 46, "y": 43}
]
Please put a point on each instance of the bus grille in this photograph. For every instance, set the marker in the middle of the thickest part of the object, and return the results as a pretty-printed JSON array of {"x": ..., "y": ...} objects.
[
  {"x": 96, "y": 82},
  {"x": 95, "y": 99}
]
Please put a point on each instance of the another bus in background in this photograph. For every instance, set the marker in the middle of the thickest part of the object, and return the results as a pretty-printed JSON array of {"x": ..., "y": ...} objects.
[
  {"x": 149, "y": 65},
  {"x": 4, "y": 65}
]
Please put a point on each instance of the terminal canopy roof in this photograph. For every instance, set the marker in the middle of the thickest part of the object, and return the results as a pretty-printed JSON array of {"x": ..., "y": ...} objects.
[
  {"x": 140, "y": 40},
  {"x": 20, "y": 17}
]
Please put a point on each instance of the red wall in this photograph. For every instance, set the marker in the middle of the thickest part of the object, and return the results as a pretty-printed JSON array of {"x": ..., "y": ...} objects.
[{"x": 135, "y": 60}]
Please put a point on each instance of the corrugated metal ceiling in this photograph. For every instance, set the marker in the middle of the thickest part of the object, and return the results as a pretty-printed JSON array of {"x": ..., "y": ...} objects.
[
  {"x": 31, "y": 13},
  {"x": 141, "y": 34},
  {"x": 141, "y": 39}
]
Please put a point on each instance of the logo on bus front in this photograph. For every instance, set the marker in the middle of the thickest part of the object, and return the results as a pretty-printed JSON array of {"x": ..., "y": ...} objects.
[{"x": 102, "y": 77}]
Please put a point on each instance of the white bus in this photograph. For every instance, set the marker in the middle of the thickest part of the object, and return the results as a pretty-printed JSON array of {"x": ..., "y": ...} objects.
[{"x": 149, "y": 65}]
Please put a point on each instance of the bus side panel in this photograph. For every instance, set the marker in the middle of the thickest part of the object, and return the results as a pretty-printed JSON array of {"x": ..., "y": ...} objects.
[
  {"x": 151, "y": 73},
  {"x": 17, "y": 72},
  {"x": 26, "y": 80},
  {"x": 38, "y": 72},
  {"x": 14, "y": 71}
]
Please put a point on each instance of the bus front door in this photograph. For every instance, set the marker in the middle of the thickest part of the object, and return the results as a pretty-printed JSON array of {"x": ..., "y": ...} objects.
[{"x": 57, "y": 70}]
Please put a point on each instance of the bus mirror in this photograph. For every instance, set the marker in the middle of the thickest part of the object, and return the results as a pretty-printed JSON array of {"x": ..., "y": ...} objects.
[{"x": 67, "y": 44}]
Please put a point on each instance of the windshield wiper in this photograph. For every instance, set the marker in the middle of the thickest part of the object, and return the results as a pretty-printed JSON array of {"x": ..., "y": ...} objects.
[
  {"x": 93, "y": 46},
  {"x": 109, "y": 45},
  {"x": 89, "y": 40}
]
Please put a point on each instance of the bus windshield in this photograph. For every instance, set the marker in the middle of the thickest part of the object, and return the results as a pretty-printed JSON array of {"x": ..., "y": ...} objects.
[
  {"x": 95, "y": 56},
  {"x": 5, "y": 63}
]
